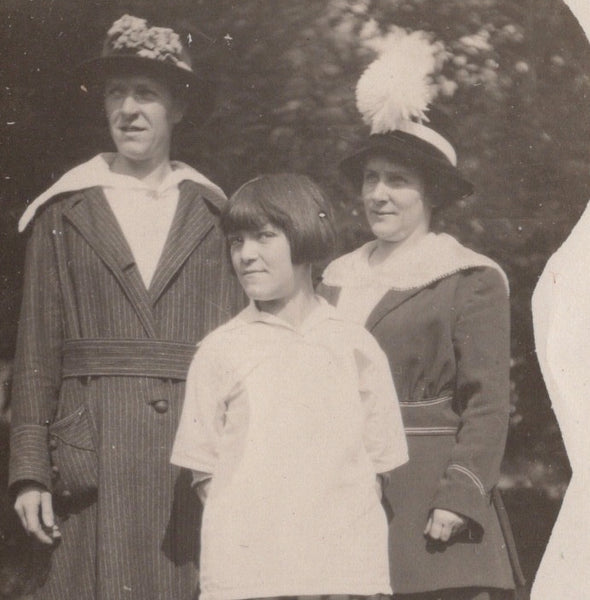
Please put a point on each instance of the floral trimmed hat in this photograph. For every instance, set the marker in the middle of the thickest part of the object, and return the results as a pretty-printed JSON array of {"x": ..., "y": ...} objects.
[{"x": 134, "y": 47}]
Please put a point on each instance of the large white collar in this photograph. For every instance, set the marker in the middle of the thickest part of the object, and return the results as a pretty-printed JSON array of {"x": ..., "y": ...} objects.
[
  {"x": 321, "y": 312},
  {"x": 434, "y": 257},
  {"x": 97, "y": 172}
]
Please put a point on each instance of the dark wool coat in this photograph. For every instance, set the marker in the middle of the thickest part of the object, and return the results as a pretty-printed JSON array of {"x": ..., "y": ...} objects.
[
  {"x": 98, "y": 389},
  {"x": 448, "y": 347}
]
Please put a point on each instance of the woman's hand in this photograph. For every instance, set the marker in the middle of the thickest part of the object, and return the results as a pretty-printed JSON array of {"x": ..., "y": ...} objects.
[
  {"x": 35, "y": 510},
  {"x": 443, "y": 524}
]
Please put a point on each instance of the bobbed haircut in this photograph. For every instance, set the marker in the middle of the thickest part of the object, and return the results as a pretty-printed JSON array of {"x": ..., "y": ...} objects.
[{"x": 290, "y": 202}]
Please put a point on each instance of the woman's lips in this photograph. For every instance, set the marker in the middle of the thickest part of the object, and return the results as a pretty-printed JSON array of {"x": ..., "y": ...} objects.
[{"x": 131, "y": 128}]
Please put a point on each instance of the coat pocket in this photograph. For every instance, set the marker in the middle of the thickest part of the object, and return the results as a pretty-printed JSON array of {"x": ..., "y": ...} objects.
[{"x": 73, "y": 455}]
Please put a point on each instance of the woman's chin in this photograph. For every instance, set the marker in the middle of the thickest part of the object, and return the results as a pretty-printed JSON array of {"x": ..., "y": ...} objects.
[{"x": 388, "y": 236}]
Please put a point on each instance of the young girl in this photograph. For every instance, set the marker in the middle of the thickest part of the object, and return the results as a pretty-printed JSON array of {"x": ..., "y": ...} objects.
[{"x": 290, "y": 417}]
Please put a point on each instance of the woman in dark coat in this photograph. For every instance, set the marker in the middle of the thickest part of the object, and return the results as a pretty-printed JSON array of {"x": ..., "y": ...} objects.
[
  {"x": 126, "y": 271},
  {"x": 440, "y": 311}
]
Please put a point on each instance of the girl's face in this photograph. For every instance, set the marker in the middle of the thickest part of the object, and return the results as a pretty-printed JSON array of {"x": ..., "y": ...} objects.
[
  {"x": 262, "y": 262},
  {"x": 394, "y": 200}
]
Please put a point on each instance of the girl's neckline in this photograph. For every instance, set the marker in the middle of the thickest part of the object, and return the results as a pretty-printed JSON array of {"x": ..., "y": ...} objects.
[{"x": 319, "y": 312}]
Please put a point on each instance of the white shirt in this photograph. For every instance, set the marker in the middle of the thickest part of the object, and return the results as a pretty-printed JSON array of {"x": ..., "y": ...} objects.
[
  {"x": 145, "y": 217},
  {"x": 293, "y": 425}
]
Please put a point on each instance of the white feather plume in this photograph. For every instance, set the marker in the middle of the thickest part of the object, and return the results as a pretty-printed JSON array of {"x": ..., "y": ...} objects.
[{"x": 398, "y": 85}]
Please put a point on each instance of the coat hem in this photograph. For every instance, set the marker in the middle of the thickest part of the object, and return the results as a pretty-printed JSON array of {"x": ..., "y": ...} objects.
[
  {"x": 285, "y": 589},
  {"x": 452, "y": 586}
]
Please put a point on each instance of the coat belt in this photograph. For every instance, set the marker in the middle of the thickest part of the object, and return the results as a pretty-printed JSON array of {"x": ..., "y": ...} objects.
[{"x": 132, "y": 358}]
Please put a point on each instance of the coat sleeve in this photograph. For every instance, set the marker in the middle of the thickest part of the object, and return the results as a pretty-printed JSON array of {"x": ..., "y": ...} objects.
[
  {"x": 384, "y": 436},
  {"x": 37, "y": 367},
  {"x": 482, "y": 351},
  {"x": 203, "y": 413}
]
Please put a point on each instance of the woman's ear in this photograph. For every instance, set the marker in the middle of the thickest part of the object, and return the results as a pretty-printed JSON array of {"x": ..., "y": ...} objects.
[
  {"x": 179, "y": 109},
  {"x": 431, "y": 195}
]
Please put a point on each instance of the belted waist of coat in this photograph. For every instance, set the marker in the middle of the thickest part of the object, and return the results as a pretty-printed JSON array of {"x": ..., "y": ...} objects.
[
  {"x": 430, "y": 416},
  {"x": 127, "y": 357}
]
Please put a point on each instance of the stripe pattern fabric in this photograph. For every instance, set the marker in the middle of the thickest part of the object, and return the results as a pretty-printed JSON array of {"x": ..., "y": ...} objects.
[{"x": 101, "y": 444}]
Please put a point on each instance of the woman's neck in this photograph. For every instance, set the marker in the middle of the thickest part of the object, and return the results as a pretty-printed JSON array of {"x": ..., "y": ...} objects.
[
  {"x": 149, "y": 172},
  {"x": 384, "y": 249},
  {"x": 295, "y": 308}
]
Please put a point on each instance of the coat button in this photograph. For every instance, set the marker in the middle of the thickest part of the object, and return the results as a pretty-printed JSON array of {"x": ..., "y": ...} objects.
[
  {"x": 53, "y": 444},
  {"x": 160, "y": 406},
  {"x": 66, "y": 494},
  {"x": 55, "y": 470}
]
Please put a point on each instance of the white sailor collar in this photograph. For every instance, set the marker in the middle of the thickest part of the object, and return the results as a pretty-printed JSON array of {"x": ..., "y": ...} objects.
[
  {"x": 322, "y": 312},
  {"x": 97, "y": 172},
  {"x": 434, "y": 257}
]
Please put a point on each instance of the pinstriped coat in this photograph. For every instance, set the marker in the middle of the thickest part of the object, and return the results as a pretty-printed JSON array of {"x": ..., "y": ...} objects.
[
  {"x": 93, "y": 418},
  {"x": 448, "y": 345}
]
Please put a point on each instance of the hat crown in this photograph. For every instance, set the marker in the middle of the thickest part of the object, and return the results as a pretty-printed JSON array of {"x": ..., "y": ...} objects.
[
  {"x": 441, "y": 122},
  {"x": 132, "y": 36}
]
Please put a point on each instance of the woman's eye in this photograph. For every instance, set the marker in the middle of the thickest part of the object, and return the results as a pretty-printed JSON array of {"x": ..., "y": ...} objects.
[
  {"x": 114, "y": 93},
  {"x": 145, "y": 94},
  {"x": 396, "y": 180},
  {"x": 370, "y": 178},
  {"x": 265, "y": 235},
  {"x": 234, "y": 241}
]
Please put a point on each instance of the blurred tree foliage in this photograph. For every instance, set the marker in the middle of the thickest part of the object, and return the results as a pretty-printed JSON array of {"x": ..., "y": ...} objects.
[{"x": 518, "y": 74}]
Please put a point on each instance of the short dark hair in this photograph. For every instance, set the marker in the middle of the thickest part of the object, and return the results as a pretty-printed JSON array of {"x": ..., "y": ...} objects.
[{"x": 290, "y": 202}]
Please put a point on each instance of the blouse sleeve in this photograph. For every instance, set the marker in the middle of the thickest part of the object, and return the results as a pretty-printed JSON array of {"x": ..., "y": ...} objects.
[
  {"x": 203, "y": 413},
  {"x": 482, "y": 351},
  {"x": 384, "y": 435}
]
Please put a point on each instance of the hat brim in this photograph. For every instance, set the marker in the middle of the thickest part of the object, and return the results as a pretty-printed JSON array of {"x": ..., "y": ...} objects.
[
  {"x": 198, "y": 92},
  {"x": 413, "y": 152}
]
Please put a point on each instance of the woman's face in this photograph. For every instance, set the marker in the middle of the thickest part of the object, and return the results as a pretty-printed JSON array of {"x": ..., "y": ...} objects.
[
  {"x": 141, "y": 112},
  {"x": 394, "y": 200},
  {"x": 262, "y": 262}
]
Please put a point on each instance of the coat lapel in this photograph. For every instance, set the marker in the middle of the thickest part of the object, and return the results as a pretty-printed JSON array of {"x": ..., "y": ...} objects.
[
  {"x": 389, "y": 302},
  {"x": 96, "y": 222},
  {"x": 192, "y": 221}
]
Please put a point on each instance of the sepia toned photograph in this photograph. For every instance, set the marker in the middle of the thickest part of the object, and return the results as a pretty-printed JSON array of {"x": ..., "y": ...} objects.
[{"x": 294, "y": 299}]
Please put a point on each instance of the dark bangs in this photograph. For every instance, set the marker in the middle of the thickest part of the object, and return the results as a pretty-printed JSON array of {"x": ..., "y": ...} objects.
[
  {"x": 290, "y": 202},
  {"x": 250, "y": 209}
]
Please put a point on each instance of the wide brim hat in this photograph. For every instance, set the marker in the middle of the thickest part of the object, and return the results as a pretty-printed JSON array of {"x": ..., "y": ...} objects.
[
  {"x": 132, "y": 47},
  {"x": 411, "y": 149}
]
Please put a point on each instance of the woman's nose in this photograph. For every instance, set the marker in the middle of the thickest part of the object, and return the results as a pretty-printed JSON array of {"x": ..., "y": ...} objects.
[
  {"x": 129, "y": 104},
  {"x": 380, "y": 192}
]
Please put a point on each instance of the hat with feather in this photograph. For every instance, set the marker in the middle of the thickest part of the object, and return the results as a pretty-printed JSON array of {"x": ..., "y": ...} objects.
[
  {"x": 133, "y": 47},
  {"x": 395, "y": 97}
]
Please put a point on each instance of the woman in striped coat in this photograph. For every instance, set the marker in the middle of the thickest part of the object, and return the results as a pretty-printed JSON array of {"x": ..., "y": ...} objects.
[{"x": 126, "y": 271}]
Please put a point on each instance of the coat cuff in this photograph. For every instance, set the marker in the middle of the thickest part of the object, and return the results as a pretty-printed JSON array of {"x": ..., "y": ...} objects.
[
  {"x": 29, "y": 455},
  {"x": 461, "y": 492}
]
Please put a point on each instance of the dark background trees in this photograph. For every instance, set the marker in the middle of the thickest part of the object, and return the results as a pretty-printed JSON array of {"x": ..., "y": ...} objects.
[{"x": 286, "y": 72}]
